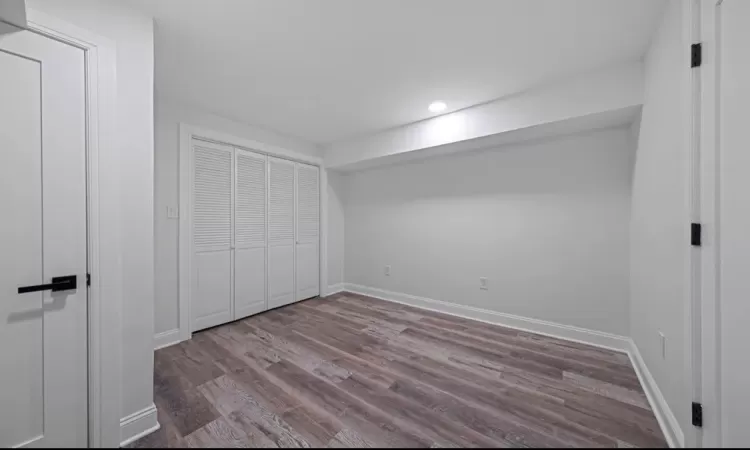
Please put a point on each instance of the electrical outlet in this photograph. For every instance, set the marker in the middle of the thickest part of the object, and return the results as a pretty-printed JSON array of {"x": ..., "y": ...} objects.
[
  {"x": 173, "y": 212},
  {"x": 663, "y": 342},
  {"x": 387, "y": 271},
  {"x": 483, "y": 283}
]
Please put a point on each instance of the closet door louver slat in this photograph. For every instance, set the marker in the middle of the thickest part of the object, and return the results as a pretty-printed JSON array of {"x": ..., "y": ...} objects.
[
  {"x": 250, "y": 202},
  {"x": 280, "y": 232},
  {"x": 211, "y": 291},
  {"x": 281, "y": 202},
  {"x": 308, "y": 232},
  {"x": 308, "y": 209},
  {"x": 212, "y": 198}
]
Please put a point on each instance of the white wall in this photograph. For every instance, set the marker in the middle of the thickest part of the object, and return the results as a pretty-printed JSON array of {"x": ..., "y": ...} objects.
[
  {"x": 14, "y": 12},
  {"x": 169, "y": 114},
  {"x": 593, "y": 93},
  {"x": 545, "y": 222},
  {"x": 660, "y": 217},
  {"x": 133, "y": 35},
  {"x": 336, "y": 231}
]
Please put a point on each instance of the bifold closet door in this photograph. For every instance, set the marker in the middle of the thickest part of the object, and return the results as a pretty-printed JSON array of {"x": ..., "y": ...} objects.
[
  {"x": 308, "y": 231},
  {"x": 280, "y": 232},
  {"x": 249, "y": 233},
  {"x": 211, "y": 296}
]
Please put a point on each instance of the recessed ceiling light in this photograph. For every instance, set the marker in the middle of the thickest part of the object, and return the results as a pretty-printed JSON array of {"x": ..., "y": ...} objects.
[{"x": 437, "y": 107}]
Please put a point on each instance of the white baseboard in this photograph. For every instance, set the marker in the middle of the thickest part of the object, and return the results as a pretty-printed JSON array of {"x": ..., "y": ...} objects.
[
  {"x": 667, "y": 420},
  {"x": 166, "y": 338},
  {"x": 138, "y": 425},
  {"x": 335, "y": 288},
  {"x": 567, "y": 332}
]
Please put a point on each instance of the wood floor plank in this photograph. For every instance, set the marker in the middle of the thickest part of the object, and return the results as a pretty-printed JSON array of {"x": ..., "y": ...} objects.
[
  {"x": 217, "y": 434},
  {"x": 302, "y": 357},
  {"x": 243, "y": 410},
  {"x": 501, "y": 429},
  {"x": 623, "y": 394},
  {"x": 349, "y": 439},
  {"x": 176, "y": 395},
  {"x": 372, "y": 424},
  {"x": 535, "y": 412},
  {"x": 252, "y": 378},
  {"x": 354, "y": 371},
  {"x": 317, "y": 429},
  {"x": 410, "y": 416}
]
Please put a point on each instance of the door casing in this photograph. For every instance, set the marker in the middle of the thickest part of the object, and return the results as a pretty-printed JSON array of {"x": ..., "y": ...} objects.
[{"x": 104, "y": 335}]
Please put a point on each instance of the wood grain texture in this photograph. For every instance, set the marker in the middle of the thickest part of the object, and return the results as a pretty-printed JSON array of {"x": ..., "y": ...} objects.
[{"x": 353, "y": 371}]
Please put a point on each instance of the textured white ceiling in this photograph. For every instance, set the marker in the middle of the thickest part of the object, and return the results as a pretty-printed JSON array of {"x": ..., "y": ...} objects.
[{"x": 326, "y": 70}]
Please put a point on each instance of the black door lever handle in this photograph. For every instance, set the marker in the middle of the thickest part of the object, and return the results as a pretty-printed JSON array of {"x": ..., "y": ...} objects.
[{"x": 58, "y": 284}]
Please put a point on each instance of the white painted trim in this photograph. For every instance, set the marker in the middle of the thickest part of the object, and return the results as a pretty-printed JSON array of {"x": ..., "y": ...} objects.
[
  {"x": 166, "y": 338},
  {"x": 248, "y": 144},
  {"x": 710, "y": 181},
  {"x": 556, "y": 330},
  {"x": 104, "y": 297},
  {"x": 185, "y": 233},
  {"x": 692, "y": 280},
  {"x": 335, "y": 288},
  {"x": 323, "y": 231},
  {"x": 137, "y": 425},
  {"x": 664, "y": 415},
  {"x": 187, "y": 134}
]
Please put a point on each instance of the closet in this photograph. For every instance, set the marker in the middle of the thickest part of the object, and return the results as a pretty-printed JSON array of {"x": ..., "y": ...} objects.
[{"x": 255, "y": 233}]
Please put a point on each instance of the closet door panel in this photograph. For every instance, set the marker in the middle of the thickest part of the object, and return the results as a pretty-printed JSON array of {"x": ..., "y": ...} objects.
[
  {"x": 250, "y": 233},
  {"x": 307, "y": 271},
  {"x": 211, "y": 298},
  {"x": 308, "y": 231},
  {"x": 281, "y": 275},
  {"x": 281, "y": 232},
  {"x": 249, "y": 281}
]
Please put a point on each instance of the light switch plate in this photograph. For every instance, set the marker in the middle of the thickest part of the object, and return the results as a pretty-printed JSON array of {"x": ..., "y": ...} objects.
[{"x": 173, "y": 212}]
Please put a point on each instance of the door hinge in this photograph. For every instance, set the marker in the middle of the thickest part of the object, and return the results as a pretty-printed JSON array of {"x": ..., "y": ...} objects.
[
  {"x": 88, "y": 279},
  {"x": 697, "y": 414},
  {"x": 695, "y": 234},
  {"x": 696, "y": 55}
]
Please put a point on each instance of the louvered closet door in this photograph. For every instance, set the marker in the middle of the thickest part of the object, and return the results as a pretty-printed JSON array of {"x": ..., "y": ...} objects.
[
  {"x": 308, "y": 231},
  {"x": 211, "y": 296},
  {"x": 280, "y": 232},
  {"x": 250, "y": 234}
]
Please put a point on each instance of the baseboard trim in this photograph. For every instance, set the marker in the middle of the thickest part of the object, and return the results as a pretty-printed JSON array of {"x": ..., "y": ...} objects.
[
  {"x": 166, "y": 338},
  {"x": 556, "y": 330},
  {"x": 137, "y": 425},
  {"x": 667, "y": 420},
  {"x": 335, "y": 288}
]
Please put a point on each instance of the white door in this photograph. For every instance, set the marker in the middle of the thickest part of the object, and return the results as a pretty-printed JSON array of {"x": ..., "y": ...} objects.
[
  {"x": 250, "y": 234},
  {"x": 280, "y": 232},
  {"x": 43, "y": 334},
  {"x": 211, "y": 292},
  {"x": 734, "y": 221},
  {"x": 308, "y": 231}
]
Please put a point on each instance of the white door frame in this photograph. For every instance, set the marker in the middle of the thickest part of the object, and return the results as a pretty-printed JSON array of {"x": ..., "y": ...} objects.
[
  {"x": 187, "y": 133},
  {"x": 694, "y": 282},
  {"x": 104, "y": 294},
  {"x": 708, "y": 346}
]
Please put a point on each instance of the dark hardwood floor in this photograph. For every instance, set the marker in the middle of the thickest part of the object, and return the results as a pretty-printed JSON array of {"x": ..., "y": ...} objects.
[{"x": 353, "y": 371}]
